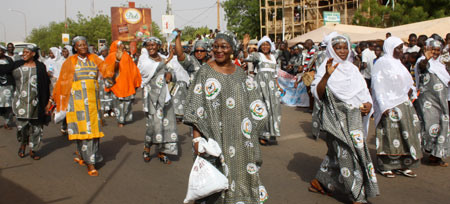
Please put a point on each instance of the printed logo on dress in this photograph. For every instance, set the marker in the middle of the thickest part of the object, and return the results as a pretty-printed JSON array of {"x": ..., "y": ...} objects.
[
  {"x": 396, "y": 143},
  {"x": 258, "y": 109},
  {"x": 345, "y": 172},
  {"x": 160, "y": 81},
  {"x": 173, "y": 136},
  {"x": 159, "y": 113},
  {"x": 198, "y": 89},
  {"x": 24, "y": 94},
  {"x": 165, "y": 122},
  {"x": 445, "y": 117},
  {"x": 262, "y": 84},
  {"x": 246, "y": 127},
  {"x": 405, "y": 135},
  {"x": 230, "y": 103},
  {"x": 21, "y": 111},
  {"x": 7, "y": 93},
  {"x": 324, "y": 165},
  {"x": 263, "y": 196},
  {"x": 271, "y": 85},
  {"x": 250, "y": 84},
  {"x": 200, "y": 112},
  {"x": 413, "y": 152},
  {"x": 426, "y": 79},
  {"x": 434, "y": 130},
  {"x": 358, "y": 138},
  {"x": 212, "y": 88},
  {"x": 158, "y": 137},
  {"x": 372, "y": 174},
  {"x": 438, "y": 87},
  {"x": 395, "y": 114},
  {"x": 441, "y": 139},
  {"x": 252, "y": 168},
  {"x": 231, "y": 151}
]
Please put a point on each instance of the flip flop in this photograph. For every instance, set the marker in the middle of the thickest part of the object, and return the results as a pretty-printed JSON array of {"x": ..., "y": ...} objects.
[
  {"x": 163, "y": 158},
  {"x": 34, "y": 155},
  {"x": 316, "y": 187},
  {"x": 387, "y": 174},
  {"x": 21, "y": 152},
  {"x": 146, "y": 156},
  {"x": 93, "y": 172},
  {"x": 406, "y": 172},
  {"x": 79, "y": 161}
]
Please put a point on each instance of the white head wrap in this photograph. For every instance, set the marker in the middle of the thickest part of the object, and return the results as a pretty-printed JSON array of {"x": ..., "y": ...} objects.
[
  {"x": 391, "y": 80},
  {"x": 266, "y": 39},
  {"x": 69, "y": 48},
  {"x": 54, "y": 65}
]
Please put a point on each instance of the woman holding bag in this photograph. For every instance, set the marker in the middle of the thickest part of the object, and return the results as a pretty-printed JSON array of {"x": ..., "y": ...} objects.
[{"x": 225, "y": 105}]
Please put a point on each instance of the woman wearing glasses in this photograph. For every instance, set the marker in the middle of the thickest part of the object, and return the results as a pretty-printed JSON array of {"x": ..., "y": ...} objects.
[
  {"x": 267, "y": 79},
  {"x": 225, "y": 104}
]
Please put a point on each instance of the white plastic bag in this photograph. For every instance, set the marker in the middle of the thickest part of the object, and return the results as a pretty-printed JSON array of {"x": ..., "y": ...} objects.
[
  {"x": 210, "y": 147},
  {"x": 204, "y": 180},
  {"x": 59, "y": 116}
]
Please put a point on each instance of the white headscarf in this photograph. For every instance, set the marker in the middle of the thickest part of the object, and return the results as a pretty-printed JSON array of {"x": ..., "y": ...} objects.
[
  {"x": 54, "y": 65},
  {"x": 436, "y": 67},
  {"x": 346, "y": 82},
  {"x": 69, "y": 48},
  {"x": 266, "y": 39},
  {"x": 146, "y": 66},
  {"x": 180, "y": 73},
  {"x": 391, "y": 80}
]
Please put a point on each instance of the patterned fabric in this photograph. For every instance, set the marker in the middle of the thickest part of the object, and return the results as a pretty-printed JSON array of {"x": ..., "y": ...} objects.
[
  {"x": 83, "y": 119},
  {"x": 271, "y": 95},
  {"x": 6, "y": 103},
  {"x": 316, "y": 123},
  {"x": 7, "y": 115},
  {"x": 179, "y": 94},
  {"x": 106, "y": 98},
  {"x": 229, "y": 109},
  {"x": 398, "y": 138},
  {"x": 26, "y": 93},
  {"x": 123, "y": 108},
  {"x": 161, "y": 123},
  {"x": 433, "y": 111},
  {"x": 191, "y": 65},
  {"x": 88, "y": 150},
  {"x": 347, "y": 167},
  {"x": 29, "y": 132}
]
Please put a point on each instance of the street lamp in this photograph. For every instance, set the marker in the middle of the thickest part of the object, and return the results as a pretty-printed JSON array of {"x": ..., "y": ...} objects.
[
  {"x": 4, "y": 31},
  {"x": 24, "y": 17}
]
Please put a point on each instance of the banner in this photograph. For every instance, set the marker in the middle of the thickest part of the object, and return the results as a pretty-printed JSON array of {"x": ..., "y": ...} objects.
[
  {"x": 130, "y": 24},
  {"x": 294, "y": 96},
  {"x": 168, "y": 24},
  {"x": 65, "y": 38}
]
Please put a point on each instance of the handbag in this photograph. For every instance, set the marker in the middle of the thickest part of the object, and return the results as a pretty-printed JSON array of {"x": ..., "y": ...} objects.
[{"x": 308, "y": 78}]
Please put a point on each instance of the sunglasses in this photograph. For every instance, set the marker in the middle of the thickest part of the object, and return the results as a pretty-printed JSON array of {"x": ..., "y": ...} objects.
[{"x": 200, "y": 51}]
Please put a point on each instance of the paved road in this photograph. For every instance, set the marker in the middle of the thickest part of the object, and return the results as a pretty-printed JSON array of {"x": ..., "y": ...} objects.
[{"x": 125, "y": 178}]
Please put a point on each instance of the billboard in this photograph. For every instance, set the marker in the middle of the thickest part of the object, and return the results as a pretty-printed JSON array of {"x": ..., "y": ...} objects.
[
  {"x": 130, "y": 24},
  {"x": 331, "y": 17},
  {"x": 168, "y": 24}
]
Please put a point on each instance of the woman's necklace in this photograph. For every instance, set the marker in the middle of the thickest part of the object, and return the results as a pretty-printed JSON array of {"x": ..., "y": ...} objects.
[{"x": 157, "y": 58}]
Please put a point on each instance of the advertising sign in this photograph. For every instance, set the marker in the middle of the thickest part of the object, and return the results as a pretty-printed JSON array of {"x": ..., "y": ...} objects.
[
  {"x": 168, "y": 23},
  {"x": 65, "y": 38},
  {"x": 130, "y": 24},
  {"x": 331, "y": 17}
]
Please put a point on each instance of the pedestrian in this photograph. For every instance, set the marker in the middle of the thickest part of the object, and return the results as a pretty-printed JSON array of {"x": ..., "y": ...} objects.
[
  {"x": 193, "y": 62},
  {"x": 396, "y": 121},
  {"x": 157, "y": 102},
  {"x": 53, "y": 64},
  {"x": 433, "y": 106},
  {"x": 345, "y": 99},
  {"x": 10, "y": 52},
  {"x": 127, "y": 80},
  {"x": 106, "y": 98},
  {"x": 6, "y": 88},
  {"x": 67, "y": 51},
  {"x": 76, "y": 93},
  {"x": 267, "y": 80},
  {"x": 32, "y": 85},
  {"x": 367, "y": 57},
  {"x": 225, "y": 104}
]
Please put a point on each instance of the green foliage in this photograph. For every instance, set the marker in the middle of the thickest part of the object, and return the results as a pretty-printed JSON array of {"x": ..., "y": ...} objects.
[
  {"x": 374, "y": 14},
  {"x": 189, "y": 32},
  {"x": 242, "y": 17},
  {"x": 157, "y": 31}
]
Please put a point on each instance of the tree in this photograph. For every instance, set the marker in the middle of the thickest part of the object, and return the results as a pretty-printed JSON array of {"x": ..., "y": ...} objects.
[
  {"x": 98, "y": 27},
  {"x": 242, "y": 17},
  {"x": 399, "y": 12}
]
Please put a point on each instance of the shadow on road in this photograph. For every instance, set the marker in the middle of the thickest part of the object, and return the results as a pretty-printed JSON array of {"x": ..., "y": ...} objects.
[
  {"x": 109, "y": 149},
  {"x": 53, "y": 143},
  {"x": 304, "y": 165}
]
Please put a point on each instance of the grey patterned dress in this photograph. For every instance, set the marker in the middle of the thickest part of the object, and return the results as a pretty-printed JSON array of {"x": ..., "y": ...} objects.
[
  {"x": 398, "y": 138},
  {"x": 266, "y": 78},
  {"x": 179, "y": 94},
  {"x": 347, "y": 167},
  {"x": 6, "y": 90},
  {"x": 106, "y": 98},
  {"x": 161, "y": 122},
  {"x": 433, "y": 111},
  {"x": 25, "y": 107},
  {"x": 122, "y": 108},
  {"x": 191, "y": 65},
  {"x": 229, "y": 109}
]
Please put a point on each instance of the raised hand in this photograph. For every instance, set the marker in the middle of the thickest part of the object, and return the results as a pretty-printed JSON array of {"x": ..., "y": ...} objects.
[{"x": 330, "y": 67}]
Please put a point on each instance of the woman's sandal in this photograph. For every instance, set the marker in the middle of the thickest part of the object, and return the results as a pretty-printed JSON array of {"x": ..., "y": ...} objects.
[
  {"x": 79, "y": 161},
  {"x": 387, "y": 174},
  {"x": 163, "y": 158},
  {"x": 21, "y": 152},
  {"x": 406, "y": 172},
  {"x": 93, "y": 172},
  {"x": 34, "y": 155},
  {"x": 436, "y": 161},
  {"x": 146, "y": 156},
  {"x": 263, "y": 142},
  {"x": 316, "y": 187}
]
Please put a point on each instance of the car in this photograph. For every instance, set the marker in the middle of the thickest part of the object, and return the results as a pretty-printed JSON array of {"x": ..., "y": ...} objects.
[{"x": 19, "y": 46}]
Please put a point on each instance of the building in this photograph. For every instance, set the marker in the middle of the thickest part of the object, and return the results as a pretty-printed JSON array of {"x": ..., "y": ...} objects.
[{"x": 300, "y": 16}]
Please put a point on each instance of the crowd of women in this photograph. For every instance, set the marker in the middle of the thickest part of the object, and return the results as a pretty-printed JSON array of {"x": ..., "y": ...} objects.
[{"x": 230, "y": 92}]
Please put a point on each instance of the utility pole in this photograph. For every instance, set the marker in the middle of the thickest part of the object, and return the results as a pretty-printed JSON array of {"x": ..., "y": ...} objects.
[
  {"x": 284, "y": 23},
  {"x": 92, "y": 9},
  {"x": 65, "y": 16},
  {"x": 218, "y": 14},
  {"x": 169, "y": 7}
]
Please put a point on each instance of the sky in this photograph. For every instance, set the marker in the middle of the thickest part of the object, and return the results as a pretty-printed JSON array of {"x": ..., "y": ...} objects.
[{"x": 41, "y": 12}]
